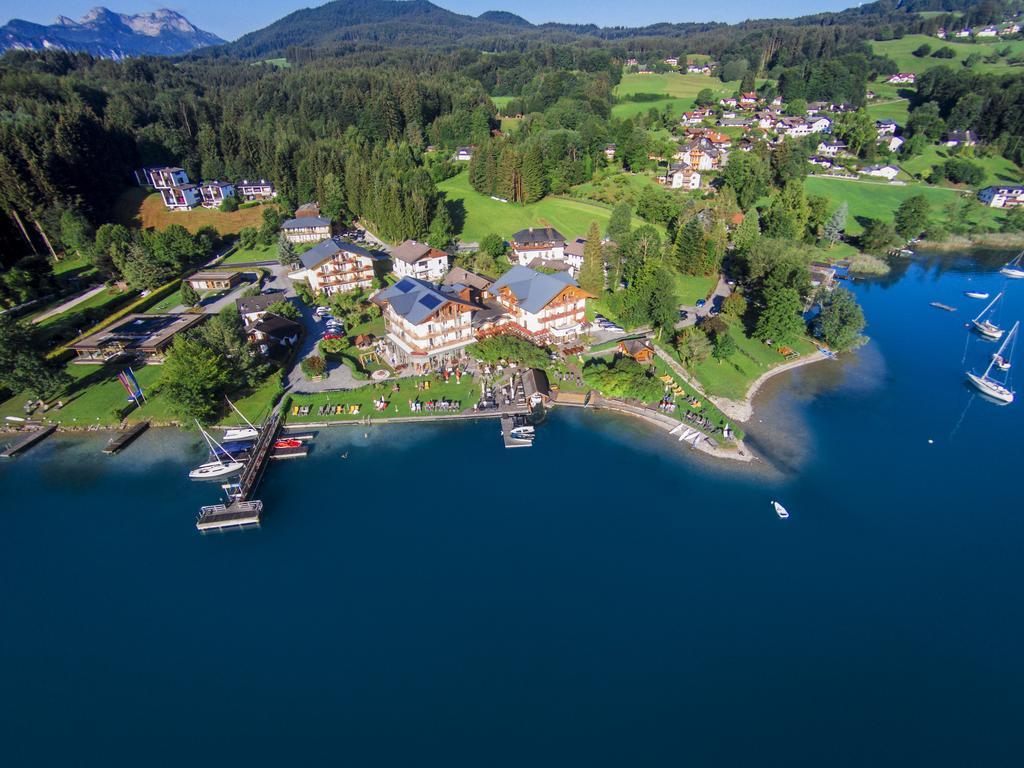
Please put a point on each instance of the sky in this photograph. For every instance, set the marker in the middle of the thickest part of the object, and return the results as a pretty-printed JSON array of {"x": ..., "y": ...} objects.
[{"x": 232, "y": 18}]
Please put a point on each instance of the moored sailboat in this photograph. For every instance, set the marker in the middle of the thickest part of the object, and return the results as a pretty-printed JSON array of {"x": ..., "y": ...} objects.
[
  {"x": 1014, "y": 269},
  {"x": 986, "y": 327},
  {"x": 984, "y": 383},
  {"x": 218, "y": 467}
]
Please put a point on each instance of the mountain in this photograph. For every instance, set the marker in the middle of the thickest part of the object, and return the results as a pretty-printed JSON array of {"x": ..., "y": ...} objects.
[{"x": 102, "y": 32}]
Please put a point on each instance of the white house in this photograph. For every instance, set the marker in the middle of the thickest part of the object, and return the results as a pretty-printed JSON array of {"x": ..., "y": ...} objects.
[
  {"x": 987, "y": 32},
  {"x": 893, "y": 143},
  {"x": 831, "y": 148},
  {"x": 672, "y": 61},
  {"x": 252, "y": 308},
  {"x": 888, "y": 172},
  {"x": 963, "y": 33},
  {"x": 419, "y": 260},
  {"x": 537, "y": 306},
  {"x": 464, "y": 154},
  {"x": 681, "y": 177},
  {"x": 902, "y": 78},
  {"x": 1002, "y": 197},
  {"x": 215, "y": 192},
  {"x": 181, "y": 198},
  {"x": 161, "y": 177},
  {"x": 335, "y": 266},
  {"x": 885, "y": 127},
  {"x": 306, "y": 229},
  {"x": 255, "y": 190},
  {"x": 538, "y": 246},
  {"x": 820, "y": 124}
]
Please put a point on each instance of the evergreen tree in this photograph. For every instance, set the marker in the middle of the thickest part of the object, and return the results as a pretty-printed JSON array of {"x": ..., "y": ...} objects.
[
  {"x": 332, "y": 197},
  {"x": 747, "y": 233},
  {"x": 286, "y": 251},
  {"x": 442, "y": 230},
  {"x": 837, "y": 224},
  {"x": 189, "y": 295},
  {"x": 510, "y": 175},
  {"x": 780, "y": 320},
  {"x": 912, "y": 216},
  {"x": 689, "y": 252},
  {"x": 620, "y": 223},
  {"x": 534, "y": 175},
  {"x": 592, "y": 272}
]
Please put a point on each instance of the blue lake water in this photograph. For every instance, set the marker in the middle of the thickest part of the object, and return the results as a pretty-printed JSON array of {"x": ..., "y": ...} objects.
[{"x": 604, "y": 598}]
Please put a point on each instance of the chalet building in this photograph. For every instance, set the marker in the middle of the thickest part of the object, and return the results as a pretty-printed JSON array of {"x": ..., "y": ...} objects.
[
  {"x": 183, "y": 198},
  {"x": 464, "y": 154},
  {"x": 335, "y": 266},
  {"x": 730, "y": 102},
  {"x": 213, "y": 193},
  {"x": 701, "y": 156},
  {"x": 747, "y": 99},
  {"x": 888, "y": 172},
  {"x": 695, "y": 117},
  {"x": 255, "y": 190},
  {"x": 886, "y": 127},
  {"x": 960, "y": 139},
  {"x": 672, "y": 61},
  {"x": 306, "y": 229},
  {"x": 681, "y": 177},
  {"x": 893, "y": 143},
  {"x": 308, "y": 211},
  {"x": 214, "y": 281},
  {"x": 987, "y": 32},
  {"x": 902, "y": 78},
  {"x": 428, "y": 327},
  {"x": 161, "y": 177},
  {"x": 831, "y": 148},
  {"x": 1002, "y": 197},
  {"x": 574, "y": 256},
  {"x": 468, "y": 286},
  {"x": 536, "y": 387},
  {"x": 272, "y": 333},
  {"x": 538, "y": 246},
  {"x": 798, "y": 126},
  {"x": 537, "y": 306},
  {"x": 419, "y": 260},
  {"x": 139, "y": 336},
  {"x": 640, "y": 350},
  {"x": 697, "y": 69},
  {"x": 252, "y": 308}
]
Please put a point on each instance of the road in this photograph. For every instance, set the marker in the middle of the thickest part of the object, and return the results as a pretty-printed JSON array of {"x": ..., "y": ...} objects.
[
  {"x": 722, "y": 291},
  {"x": 69, "y": 303}
]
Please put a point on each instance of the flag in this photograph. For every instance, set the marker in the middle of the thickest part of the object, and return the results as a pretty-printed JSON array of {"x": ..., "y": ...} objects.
[{"x": 131, "y": 386}]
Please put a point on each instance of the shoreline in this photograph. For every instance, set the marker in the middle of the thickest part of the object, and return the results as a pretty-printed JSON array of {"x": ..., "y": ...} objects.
[
  {"x": 743, "y": 410},
  {"x": 997, "y": 240}
]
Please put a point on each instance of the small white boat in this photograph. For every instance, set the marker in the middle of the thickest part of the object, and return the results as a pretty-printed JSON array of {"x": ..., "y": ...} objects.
[
  {"x": 212, "y": 469},
  {"x": 984, "y": 383},
  {"x": 975, "y": 294},
  {"x": 780, "y": 510},
  {"x": 238, "y": 434},
  {"x": 986, "y": 327},
  {"x": 1001, "y": 364},
  {"x": 525, "y": 432},
  {"x": 1014, "y": 269}
]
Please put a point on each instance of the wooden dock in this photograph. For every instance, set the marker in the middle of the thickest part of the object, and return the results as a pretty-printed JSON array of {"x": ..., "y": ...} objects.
[
  {"x": 507, "y": 423},
  {"x": 238, "y": 514},
  {"x": 124, "y": 437},
  {"x": 26, "y": 441}
]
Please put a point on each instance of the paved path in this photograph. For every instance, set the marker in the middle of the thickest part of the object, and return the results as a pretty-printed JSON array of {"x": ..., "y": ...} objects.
[{"x": 69, "y": 303}]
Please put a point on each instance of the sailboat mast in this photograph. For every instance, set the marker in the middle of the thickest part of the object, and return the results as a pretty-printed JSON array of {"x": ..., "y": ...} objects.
[
  {"x": 211, "y": 442},
  {"x": 235, "y": 409},
  {"x": 1002, "y": 347},
  {"x": 990, "y": 305}
]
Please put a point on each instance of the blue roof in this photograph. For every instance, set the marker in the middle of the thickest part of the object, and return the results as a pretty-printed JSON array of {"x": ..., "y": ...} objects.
[
  {"x": 533, "y": 290},
  {"x": 416, "y": 300},
  {"x": 320, "y": 252}
]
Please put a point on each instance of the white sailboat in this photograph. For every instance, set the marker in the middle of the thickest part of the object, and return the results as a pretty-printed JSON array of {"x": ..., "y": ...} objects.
[
  {"x": 987, "y": 328},
  {"x": 976, "y": 294},
  {"x": 1013, "y": 268},
  {"x": 218, "y": 467},
  {"x": 240, "y": 433},
  {"x": 780, "y": 511},
  {"x": 985, "y": 383}
]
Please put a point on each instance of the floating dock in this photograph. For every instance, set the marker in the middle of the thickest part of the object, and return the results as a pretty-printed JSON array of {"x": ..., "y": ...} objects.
[
  {"x": 26, "y": 442},
  {"x": 238, "y": 514},
  {"x": 940, "y": 305},
  {"x": 124, "y": 437},
  {"x": 507, "y": 423}
]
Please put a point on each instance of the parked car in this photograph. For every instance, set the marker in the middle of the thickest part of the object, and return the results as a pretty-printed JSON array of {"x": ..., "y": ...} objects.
[
  {"x": 323, "y": 310},
  {"x": 701, "y": 302},
  {"x": 333, "y": 337}
]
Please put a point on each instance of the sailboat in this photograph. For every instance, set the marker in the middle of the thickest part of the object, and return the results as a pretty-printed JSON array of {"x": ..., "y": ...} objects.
[
  {"x": 1013, "y": 268},
  {"x": 987, "y": 328},
  {"x": 985, "y": 383},
  {"x": 976, "y": 294},
  {"x": 240, "y": 433},
  {"x": 218, "y": 467}
]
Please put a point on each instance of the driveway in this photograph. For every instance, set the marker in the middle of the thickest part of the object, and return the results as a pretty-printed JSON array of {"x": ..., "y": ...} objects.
[
  {"x": 722, "y": 291},
  {"x": 70, "y": 303}
]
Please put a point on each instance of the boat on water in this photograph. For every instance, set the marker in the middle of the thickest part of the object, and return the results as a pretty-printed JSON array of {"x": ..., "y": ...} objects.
[
  {"x": 986, "y": 327},
  {"x": 218, "y": 467},
  {"x": 1014, "y": 269},
  {"x": 780, "y": 510},
  {"x": 976, "y": 294},
  {"x": 999, "y": 390},
  {"x": 243, "y": 433},
  {"x": 524, "y": 432},
  {"x": 289, "y": 442}
]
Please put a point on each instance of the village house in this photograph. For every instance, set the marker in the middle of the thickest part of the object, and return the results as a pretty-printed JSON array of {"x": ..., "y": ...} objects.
[
  {"x": 161, "y": 177},
  {"x": 631, "y": 62},
  {"x": 273, "y": 332},
  {"x": 574, "y": 256},
  {"x": 672, "y": 61},
  {"x": 987, "y": 32},
  {"x": 214, "y": 193},
  {"x": 609, "y": 151},
  {"x": 681, "y": 177},
  {"x": 306, "y": 229},
  {"x": 893, "y": 143},
  {"x": 183, "y": 198},
  {"x": 255, "y": 190},
  {"x": 960, "y": 139},
  {"x": 537, "y": 306},
  {"x": 419, "y": 260},
  {"x": 902, "y": 78},
  {"x": 1010, "y": 29},
  {"x": 831, "y": 148},
  {"x": 701, "y": 156},
  {"x": 887, "y": 172},
  {"x": 536, "y": 387},
  {"x": 729, "y": 102},
  {"x": 139, "y": 336},
  {"x": 694, "y": 117},
  {"x": 464, "y": 154},
  {"x": 814, "y": 107},
  {"x": 821, "y": 162},
  {"x": 308, "y": 211},
  {"x": 538, "y": 246},
  {"x": 1002, "y": 197},
  {"x": 886, "y": 127},
  {"x": 335, "y": 266},
  {"x": 214, "y": 281},
  {"x": 965, "y": 32},
  {"x": 697, "y": 69},
  {"x": 468, "y": 286},
  {"x": 428, "y": 327},
  {"x": 747, "y": 99},
  {"x": 640, "y": 350},
  {"x": 252, "y": 308}
]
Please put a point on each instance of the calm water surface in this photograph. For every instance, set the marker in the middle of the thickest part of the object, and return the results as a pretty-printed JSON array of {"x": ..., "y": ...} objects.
[{"x": 601, "y": 599}]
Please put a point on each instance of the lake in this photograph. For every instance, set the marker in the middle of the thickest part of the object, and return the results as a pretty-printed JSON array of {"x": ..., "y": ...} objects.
[{"x": 604, "y": 598}]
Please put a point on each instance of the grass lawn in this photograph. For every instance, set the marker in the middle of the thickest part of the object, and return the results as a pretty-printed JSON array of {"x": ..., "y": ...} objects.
[
  {"x": 900, "y": 51},
  {"x": 703, "y": 406},
  {"x": 880, "y": 201},
  {"x": 615, "y": 188},
  {"x": 679, "y": 91},
  {"x": 72, "y": 267},
  {"x": 257, "y": 405},
  {"x": 483, "y": 215},
  {"x": 998, "y": 170},
  {"x": 165, "y": 304},
  {"x": 256, "y": 253},
  {"x": 136, "y": 208},
  {"x": 889, "y": 109},
  {"x": 83, "y": 315},
  {"x": 467, "y": 392},
  {"x": 501, "y": 101},
  {"x": 688, "y": 288}
]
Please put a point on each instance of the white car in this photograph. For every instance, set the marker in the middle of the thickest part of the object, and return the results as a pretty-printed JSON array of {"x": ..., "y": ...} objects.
[{"x": 323, "y": 310}]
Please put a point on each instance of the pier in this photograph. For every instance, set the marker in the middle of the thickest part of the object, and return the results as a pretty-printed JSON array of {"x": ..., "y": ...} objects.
[
  {"x": 123, "y": 438},
  {"x": 26, "y": 442},
  {"x": 507, "y": 424},
  {"x": 244, "y": 510}
]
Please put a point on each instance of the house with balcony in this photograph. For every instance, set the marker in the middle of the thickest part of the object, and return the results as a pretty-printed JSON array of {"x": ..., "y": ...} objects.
[
  {"x": 1002, "y": 197},
  {"x": 273, "y": 333},
  {"x": 428, "y": 327},
  {"x": 681, "y": 177},
  {"x": 252, "y": 308},
  {"x": 213, "y": 193},
  {"x": 419, "y": 260},
  {"x": 538, "y": 246},
  {"x": 306, "y": 229},
  {"x": 161, "y": 177},
  {"x": 260, "y": 189},
  {"x": 183, "y": 198},
  {"x": 536, "y": 306},
  {"x": 831, "y": 148},
  {"x": 335, "y": 266}
]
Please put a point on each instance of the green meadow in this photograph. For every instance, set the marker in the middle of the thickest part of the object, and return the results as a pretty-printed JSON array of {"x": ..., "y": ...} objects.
[
  {"x": 678, "y": 90},
  {"x": 901, "y": 51}
]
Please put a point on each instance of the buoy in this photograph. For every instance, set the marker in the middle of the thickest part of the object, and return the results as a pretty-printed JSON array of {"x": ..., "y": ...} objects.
[{"x": 930, "y": 441}]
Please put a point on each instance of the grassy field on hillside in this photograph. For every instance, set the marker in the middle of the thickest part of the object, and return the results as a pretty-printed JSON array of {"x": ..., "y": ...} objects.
[
  {"x": 880, "y": 201},
  {"x": 894, "y": 109},
  {"x": 900, "y": 51},
  {"x": 249, "y": 255},
  {"x": 137, "y": 209},
  {"x": 616, "y": 188},
  {"x": 678, "y": 89},
  {"x": 501, "y": 101},
  {"x": 483, "y": 215},
  {"x": 998, "y": 170}
]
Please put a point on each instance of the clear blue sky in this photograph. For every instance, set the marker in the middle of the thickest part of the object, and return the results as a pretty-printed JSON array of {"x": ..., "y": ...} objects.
[{"x": 232, "y": 18}]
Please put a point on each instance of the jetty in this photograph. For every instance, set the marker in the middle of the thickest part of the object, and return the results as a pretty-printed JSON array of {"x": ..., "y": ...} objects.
[
  {"x": 125, "y": 437},
  {"x": 243, "y": 510},
  {"x": 508, "y": 423},
  {"x": 940, "y": 305},
  {"x": 26, "y": 442}
]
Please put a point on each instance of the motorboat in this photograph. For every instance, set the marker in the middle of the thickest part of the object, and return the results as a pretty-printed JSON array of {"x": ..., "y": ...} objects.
[
  {"x": 986, "y": 327},
  {"x": 215, "y": 469},
  {"x": 1014, "y": 269},
  {"x": 290, "y": 442},
  {"x": 1001, "y": 364},
  {"x": 524, "y": 432},
  {"x": 976, "y": 294},
  {"x": 998, "y": 390},
  {"x": 780, "y": 511},
  {"x": 243, "y": 433}
]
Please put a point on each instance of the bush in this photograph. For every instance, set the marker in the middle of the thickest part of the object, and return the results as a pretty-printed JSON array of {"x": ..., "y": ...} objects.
[
  {"x": 502, "y": 347},
  {"x": 314, "y": 365},
  {"x": 961, "y": 171},
  {"x": 230, "y": 204},
  {"x": 922, "y": 50},
  {"x": 945, "y": 52}
]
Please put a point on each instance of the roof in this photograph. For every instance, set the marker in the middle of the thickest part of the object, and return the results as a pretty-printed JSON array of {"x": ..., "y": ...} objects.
[
  {"x": 535, "y": 382},
  {"x": 537, "y": 235},
  {"x": 416, "y": 300},
  {"x": 252, "y": 304},
  {"x": 306, "y": 222},
  {"x": 213, "y": 275},
  {"x": 277, "y": 326},
  {"x": 141, "y": 331},
  {"x": 314, "y": 207},
  {"x": 411, "y": 251},
  {"x": 634, "y": 346},
  {"x": 459, "y": 276},
  {"x": 531, "y": 289},
  {"x": 575, "y": 248},
  {"x": 322, "y": 251}
]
